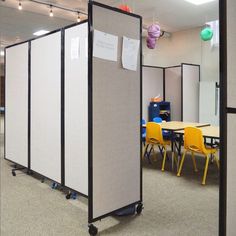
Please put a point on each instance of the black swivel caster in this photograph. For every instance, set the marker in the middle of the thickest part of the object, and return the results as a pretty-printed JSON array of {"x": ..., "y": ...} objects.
[
  {"x": 13, "y": 173},
  {"x": 93, "y": 230},
  {"x": 54, "y": 185},
  {"x": 139, "y": 208},
  {"x": 68, "y": 196},
  {"x": 42, "y": 180}
]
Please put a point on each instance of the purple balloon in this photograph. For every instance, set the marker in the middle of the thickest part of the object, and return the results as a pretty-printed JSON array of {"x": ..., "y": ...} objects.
[
  {"x": 151, "y": 42},
  {"x": 154, "y": 31}
]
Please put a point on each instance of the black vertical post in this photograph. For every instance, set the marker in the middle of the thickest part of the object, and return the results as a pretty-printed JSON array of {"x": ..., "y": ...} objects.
[
  {"x": 62, "y": 107},
  {"x": 90, "y": 111},
  {"x": 29, "y": 105},
  {"x": 223, "y": 117}
]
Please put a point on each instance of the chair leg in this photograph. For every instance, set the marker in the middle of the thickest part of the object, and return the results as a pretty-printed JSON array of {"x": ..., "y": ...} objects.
[
  {"x": 194, "y": 162},
  {"x": 181, "y": 163},
  {"x": 149, "y": 154},
  {"x": 205, "y": 170},
  {"x": 164, "y": 160},
  {"x": 217, "y": 161},
  {"x": 145, "y": 150}
]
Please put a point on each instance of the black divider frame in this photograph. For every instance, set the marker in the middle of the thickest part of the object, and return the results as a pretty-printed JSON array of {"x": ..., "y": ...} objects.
[
  {"x": 223, "y": 117},
  {"x": 63, "y": 113},
  {"x": 90, "y": 110}
]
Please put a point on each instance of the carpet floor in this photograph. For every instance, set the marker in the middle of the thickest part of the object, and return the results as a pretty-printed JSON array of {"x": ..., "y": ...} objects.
[{"x": 173, "y": 205}]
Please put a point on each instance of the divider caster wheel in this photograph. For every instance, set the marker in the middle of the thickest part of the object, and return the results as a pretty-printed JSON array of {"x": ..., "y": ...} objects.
[
  {"x": 139, "y": 208},
  {"x": 13, "y": 173},
  {"x": 42, "y": 180},
  {"x": 54, "y": 185},
  {"x": 29, "y": 172},
  {"x": 93, "y": 230},
  {"x": 68, "y": 196}
]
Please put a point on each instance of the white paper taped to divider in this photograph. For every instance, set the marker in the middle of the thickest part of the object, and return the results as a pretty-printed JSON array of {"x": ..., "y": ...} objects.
[
  {"x": 105, "y": 46},
  {"x": 75, "y": 49},
  {"x": 130, "y": 51}
]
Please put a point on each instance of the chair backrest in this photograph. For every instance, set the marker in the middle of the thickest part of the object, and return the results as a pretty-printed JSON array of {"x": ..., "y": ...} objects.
[
  {"x": 143, "y": 129},
  {"x": 193, "y": 140},
  {"x": 157, "y": 119},
  {"x": 154, "y": 133}
]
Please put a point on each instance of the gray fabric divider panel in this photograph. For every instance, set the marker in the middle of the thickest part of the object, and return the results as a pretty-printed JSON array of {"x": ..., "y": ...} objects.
[
  {"x": 231, "y": 53},
  {"x": 152, "y": 86},
  {"x": 116, "y": 120},
  {"x": 173, "y": 91},
  {"x": 16, "y": 116},
  {"x": 190, "y": 76},
  {"x": 231, "y": 175},
  {"x": 46, "y": 106},
  {"x": 76, "y": 108}
]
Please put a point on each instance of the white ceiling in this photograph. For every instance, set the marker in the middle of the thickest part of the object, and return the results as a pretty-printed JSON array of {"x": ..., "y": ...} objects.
[{"x": 173, "y": 15}]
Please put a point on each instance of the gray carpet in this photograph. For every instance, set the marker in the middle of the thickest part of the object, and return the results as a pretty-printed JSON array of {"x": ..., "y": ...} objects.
[{"x": 173, "y": 206}]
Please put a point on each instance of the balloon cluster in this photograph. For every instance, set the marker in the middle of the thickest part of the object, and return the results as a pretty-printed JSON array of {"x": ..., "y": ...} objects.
[{"x": 154, "y": 32}]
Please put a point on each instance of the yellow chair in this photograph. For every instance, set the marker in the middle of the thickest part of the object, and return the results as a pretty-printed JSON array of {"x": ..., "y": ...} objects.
[
  {"x": 154, "y": 137},
  {"x": 194, "y": 143}
]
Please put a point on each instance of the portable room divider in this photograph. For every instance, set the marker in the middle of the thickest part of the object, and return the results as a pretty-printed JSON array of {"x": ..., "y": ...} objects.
[
  {"x": 153, "y": 85},
  {"x": 177, "y": 85},
  {"x": 227, "y": 204},
  {"x": 74, "y": 116}
]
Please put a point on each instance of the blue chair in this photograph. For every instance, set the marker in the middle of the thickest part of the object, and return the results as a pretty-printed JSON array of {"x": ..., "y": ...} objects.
[
  {"x": 143, "y": 132},
  {"x": 166, "y": 134},
  {"x": 157, "y": 119}
]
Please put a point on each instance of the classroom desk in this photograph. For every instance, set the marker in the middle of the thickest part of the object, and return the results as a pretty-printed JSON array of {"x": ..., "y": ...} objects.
[
  {"x": 173, "y": 127},
  {"x": 212, "y": 132}
]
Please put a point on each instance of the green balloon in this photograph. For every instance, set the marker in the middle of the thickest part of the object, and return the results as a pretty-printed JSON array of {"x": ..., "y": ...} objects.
[{"x": 206, "y": 34}]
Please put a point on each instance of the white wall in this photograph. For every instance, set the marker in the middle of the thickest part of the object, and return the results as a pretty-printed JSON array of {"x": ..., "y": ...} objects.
[{"x": 185, "y": 46}]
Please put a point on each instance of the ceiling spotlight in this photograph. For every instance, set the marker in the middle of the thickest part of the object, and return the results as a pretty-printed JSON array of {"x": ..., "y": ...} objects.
[
  {"x": 20, "y": 6},
  {"x": 51, "y": 12},
  {"x": 78, "y": 18}
]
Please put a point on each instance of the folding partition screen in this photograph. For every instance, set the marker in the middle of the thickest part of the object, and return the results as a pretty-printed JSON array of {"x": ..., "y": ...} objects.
[
  {"x": 46, "y": 106},
  {"x": 76, "y": 108},
  {"x": 73, "y": 115},
  {"x": 228, "y": 118},
  {"x": 190, "y": 95},
  {"x": 16, "y": 104},
  {"x": 115, "y": 112},
  {"x": 173, "y": 91},
  {"x": 153, "y": 85}
]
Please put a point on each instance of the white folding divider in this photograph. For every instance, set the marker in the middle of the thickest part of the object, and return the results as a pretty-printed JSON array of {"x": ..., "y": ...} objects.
[
  {"x": 16, "y": 106},
  {"x": 190, "y": 95},
  {"x": 153, "y": 85},
  {"x": 209, "y": 103},
  {"x": 173, "y": 91},
  {"x": 46, "y": 106},
  {"x": 79, "y": 123},
  {"x": 76, "y": 108},
  {"x": 115, "y": 101}
]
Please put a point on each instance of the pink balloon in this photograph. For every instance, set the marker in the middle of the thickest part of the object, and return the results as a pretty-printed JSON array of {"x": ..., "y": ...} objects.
[
  {"x": 154, "y": 31},
  {"x": 151, "y": 42}
]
